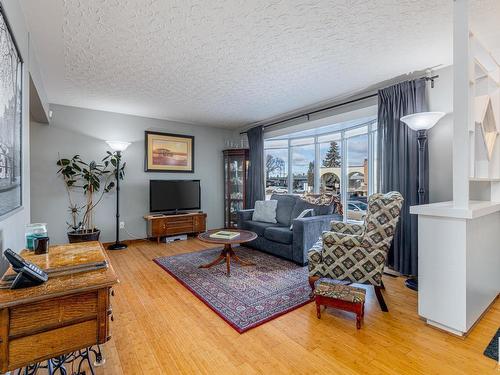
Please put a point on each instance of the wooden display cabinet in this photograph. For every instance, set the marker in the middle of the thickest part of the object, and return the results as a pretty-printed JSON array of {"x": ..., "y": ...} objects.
[{"x": 235, "y": 182}]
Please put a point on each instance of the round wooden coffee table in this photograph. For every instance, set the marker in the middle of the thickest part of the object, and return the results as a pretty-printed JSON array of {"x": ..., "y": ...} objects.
[{"x": 227, "y": 252}]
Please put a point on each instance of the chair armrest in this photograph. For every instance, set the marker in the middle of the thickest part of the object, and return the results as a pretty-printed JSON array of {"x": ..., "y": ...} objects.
[
  {"x": 348, "y": 228},
  {"x": 306, "y": 232},
  {"x": 315, "y": 258},
  {"x": 244, "y": 215}
]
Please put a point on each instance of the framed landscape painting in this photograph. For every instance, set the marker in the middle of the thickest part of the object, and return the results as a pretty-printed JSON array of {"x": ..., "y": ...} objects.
[
  {"x": 10, "y": 120},
  {"x": 169, "y": 152}
]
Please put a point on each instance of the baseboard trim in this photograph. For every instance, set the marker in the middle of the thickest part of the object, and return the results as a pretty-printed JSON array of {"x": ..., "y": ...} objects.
[
  {"x": 126, "y": 242},
  {"x": 442, "y": 327},
  {"x": 391, "y": 272},
  {"x": 457, "y": 332}
]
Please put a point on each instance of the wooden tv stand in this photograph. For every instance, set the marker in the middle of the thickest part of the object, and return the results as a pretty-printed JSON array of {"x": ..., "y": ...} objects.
[{"x": 169, "y": 225}]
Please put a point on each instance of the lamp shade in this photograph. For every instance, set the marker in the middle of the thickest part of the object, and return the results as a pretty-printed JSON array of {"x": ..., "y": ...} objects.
[
  {"x": 422, "y": 120},
  {"x": 117, "y": 145}
]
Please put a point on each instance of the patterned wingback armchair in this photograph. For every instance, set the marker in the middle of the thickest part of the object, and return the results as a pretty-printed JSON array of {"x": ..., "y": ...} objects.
[{"x": 357, "y": 253}]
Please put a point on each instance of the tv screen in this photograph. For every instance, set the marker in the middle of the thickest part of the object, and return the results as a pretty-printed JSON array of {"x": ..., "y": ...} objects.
[{"x": 172, "y": 195}]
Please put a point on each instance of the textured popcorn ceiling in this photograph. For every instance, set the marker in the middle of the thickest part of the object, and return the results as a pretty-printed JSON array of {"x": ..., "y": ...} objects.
[{"x": 230, "y": 63}]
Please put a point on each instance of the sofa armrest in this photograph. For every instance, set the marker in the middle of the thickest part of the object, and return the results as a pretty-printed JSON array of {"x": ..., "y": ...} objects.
[
  {"x": 306, "y": 232},
  {"x": 244, "y": 215}
]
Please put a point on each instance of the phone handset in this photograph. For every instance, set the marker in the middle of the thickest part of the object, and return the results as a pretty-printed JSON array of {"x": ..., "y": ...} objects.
[{"x": 28, "y": 274}]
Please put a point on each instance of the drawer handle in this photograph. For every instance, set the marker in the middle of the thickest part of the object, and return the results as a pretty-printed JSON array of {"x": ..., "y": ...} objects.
[
  {"x": 112, "y": 318},
  {"x": 112, "y": 293}
]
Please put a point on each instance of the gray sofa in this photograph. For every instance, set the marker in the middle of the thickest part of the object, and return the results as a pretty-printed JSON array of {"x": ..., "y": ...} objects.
[{"x": 278, "y": 239}]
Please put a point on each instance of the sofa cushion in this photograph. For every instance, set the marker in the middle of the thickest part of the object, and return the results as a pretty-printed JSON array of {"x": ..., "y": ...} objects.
[
  {"x": 286, "y": 203},
  {"x": 257, "y": 226},
  {"x": 279, "y": 234}
]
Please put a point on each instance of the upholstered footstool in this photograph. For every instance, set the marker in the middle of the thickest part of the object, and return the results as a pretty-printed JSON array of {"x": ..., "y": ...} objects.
[{"x": 337, "y": 294}]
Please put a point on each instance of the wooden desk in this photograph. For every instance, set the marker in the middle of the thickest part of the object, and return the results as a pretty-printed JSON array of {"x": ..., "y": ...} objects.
[{"x": 65, "y": 314}]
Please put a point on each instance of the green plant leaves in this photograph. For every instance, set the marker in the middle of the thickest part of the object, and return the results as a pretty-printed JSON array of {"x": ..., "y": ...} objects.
[
  {"x": 110, "y": 186},
  {"x": 90, "y": 177},
  {"x": 63, "y": 162}
]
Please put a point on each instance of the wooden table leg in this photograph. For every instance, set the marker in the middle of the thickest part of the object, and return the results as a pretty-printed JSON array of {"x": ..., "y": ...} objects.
[
  {"x": 358, "y": 322},
  {"x": 218, "y": 260},
  {"x": 228, "y": 261},
  {"x": 237, "y": 259},
  {"x": 227, "y": 254}
]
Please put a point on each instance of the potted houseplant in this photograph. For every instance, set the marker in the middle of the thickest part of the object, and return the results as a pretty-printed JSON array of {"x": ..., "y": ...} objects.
[{"x": 94, "y": 180}]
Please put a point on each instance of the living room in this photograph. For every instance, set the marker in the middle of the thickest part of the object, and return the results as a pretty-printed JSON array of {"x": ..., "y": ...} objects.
[{"x": 250, "y": 187}]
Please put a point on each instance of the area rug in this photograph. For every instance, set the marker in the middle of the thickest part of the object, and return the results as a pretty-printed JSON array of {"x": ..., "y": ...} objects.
[
  {"x": 492, "y": 350},
  {"x": 252, "y": 295}
]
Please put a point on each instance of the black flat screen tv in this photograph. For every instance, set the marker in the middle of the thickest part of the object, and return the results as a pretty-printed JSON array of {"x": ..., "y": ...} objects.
[{"x": 174, "y": 195}]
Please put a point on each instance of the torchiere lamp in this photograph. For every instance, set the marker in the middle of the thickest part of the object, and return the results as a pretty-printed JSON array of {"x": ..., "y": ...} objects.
[
  {"x": 118, "y": 147},
  {"x": 420, "y": 122}
]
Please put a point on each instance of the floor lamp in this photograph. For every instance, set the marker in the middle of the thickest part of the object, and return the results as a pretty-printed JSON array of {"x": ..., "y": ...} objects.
[
  {"x": 420, "y": 122},
  {"x": 118, "y": 147}
]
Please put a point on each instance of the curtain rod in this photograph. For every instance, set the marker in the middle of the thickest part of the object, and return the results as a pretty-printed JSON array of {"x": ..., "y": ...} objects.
[{"x": 432, "y": 78}]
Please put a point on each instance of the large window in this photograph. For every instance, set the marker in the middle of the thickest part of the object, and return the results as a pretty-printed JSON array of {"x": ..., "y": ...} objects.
[
  {"x": 340, "y": 162},
  {"x": 357, "y": 173},
  {"x": 276, "y": 167},
  {"x": 303, "y": 154}
]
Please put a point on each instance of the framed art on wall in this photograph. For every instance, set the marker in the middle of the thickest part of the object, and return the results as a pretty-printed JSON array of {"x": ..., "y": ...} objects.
[
  {"x": 10, "y": 119},
  {"x": 169, "y": 152}
]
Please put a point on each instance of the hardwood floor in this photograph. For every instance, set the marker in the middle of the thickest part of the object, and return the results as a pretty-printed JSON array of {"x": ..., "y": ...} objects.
[{"x": 161, "y": 328}]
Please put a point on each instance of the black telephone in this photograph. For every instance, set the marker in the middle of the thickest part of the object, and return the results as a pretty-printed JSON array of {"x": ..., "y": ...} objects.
[{"x": 27, "y": 273}]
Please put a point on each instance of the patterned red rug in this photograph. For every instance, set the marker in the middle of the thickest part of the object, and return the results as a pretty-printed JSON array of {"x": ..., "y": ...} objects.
[{"x": 253, "y": 295}]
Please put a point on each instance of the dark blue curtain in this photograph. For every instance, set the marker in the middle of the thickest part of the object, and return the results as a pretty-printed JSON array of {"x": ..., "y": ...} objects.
[
  {"x": 255, "y": 182},
  {"x": 397, "y": 153}
]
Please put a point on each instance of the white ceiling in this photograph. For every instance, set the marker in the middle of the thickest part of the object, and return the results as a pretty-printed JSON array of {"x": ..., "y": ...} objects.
[{"x": 232, "y": 62}]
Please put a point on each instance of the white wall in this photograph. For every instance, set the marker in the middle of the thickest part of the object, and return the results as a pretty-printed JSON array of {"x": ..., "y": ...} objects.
[
  {"x": 12, "y": 224},
  {"x": 440, "y": 98},
  {"x": 82, "y": 131}
]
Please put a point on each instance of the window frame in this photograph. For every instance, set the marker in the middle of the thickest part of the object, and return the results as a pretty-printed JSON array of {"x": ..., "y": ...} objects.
[{"x": 371, "y": 132}]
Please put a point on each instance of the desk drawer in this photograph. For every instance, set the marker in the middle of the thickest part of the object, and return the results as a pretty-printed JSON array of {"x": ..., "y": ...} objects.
[
  {"x": 180, "y": 229},
  {"x": 52, "y": 313},
  {"x": 180, "y": 220},
  {"x": 179, "y": 224},
  {"x": 33, "y": 348}
]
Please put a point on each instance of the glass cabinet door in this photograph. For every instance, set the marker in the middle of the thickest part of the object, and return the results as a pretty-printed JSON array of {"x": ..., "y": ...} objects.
[
  {"x": 236, "y": 188},
  {"x": 235, "y": 180}
]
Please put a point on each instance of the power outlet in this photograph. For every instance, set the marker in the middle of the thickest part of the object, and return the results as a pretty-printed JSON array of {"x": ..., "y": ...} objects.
[{"x": 122, "y": 224}]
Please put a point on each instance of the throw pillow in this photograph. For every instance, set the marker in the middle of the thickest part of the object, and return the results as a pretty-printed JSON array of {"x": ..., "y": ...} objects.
[
  {"x": 318, "y": 199},
  {"x": 325, "y": 199},
  {"x": 265, "y": 211},
  {"x": 308, "y": 212}
]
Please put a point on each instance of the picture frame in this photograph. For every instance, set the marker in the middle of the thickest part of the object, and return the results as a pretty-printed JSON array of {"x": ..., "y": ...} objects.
[
  {"x": 11, "y": 81},
  {"x": 169, "y": 153}
]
